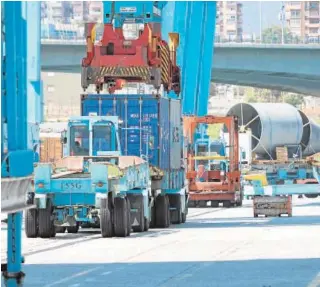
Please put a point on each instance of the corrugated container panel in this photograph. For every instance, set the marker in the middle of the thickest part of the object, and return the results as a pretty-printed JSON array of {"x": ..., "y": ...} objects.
[
  {"x": 143, "y": 117},
  {"x": 164, "y": 127},
  {"x": 175, "y": 134},
  {"x": 50, "y": 149},
  {"x": 140, "y": 123}
]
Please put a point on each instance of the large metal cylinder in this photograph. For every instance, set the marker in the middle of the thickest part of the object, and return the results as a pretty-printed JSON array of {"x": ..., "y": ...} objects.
[
  {"x": 311, "y": 136},
  {"x": 271, "y": 125}
]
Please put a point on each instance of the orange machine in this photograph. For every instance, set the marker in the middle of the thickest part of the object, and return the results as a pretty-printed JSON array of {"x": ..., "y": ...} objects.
[{"x": 218, "y": 185}]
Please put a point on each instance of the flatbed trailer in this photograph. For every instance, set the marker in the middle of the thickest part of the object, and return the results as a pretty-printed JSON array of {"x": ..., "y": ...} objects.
[
  {"x": 276, "y": 183},
  {"x": 94, "y": 185}
]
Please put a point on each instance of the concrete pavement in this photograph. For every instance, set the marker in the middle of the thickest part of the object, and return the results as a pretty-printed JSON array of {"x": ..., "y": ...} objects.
[{"x": 216, "y": 247}]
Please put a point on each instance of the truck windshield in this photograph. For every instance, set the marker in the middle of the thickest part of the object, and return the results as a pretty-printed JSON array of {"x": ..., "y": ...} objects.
[
  {"x": 79, "y": 140},
  {"x": 103, "y": 139}
]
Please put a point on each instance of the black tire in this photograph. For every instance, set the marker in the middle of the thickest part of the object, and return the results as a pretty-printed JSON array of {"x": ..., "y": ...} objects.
[
  {"x": 184, "y": 214},
  {"x": 227, "y": 204},
  {"x": 153, "y": 216},
  {"x": 45, "y": 223},
  {"x": 73, "y": 229},
  {"x": 120, "y": 217},
  {"x": 146, "y": 224},
  {"x": 202, "y": 203},
  {"x": 214, "y": 203},
  {"x": 311, "y": 195},
  {"x": 141, "y": 226},
  {"x": 31, "y": 223},
  {"x": 162, "y": 211},
  {"x": 178, "y": 211},
  {"x": 106, "y": 222},
  {"x": 239, "y": 203},
  {"x": 128, "y": 217},
  {"x": 191, "y": 203},
  {"x": 168, "y": 210},
  {"x": 60, "y": 229}
]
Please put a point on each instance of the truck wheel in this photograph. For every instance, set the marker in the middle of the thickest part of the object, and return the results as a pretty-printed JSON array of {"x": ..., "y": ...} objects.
[
  {"x": 153, "y": 216},
  {"x": 73, "y": 229},
  {"x": 214, "y": 203},
  {"x": 106, "y": 222},
  {"x": 146, "y": 224},
  {"x": 140, "y": 227},
  {"x": 31, "y": 223},
  {"x": 60, "y": 229},
  {"x": 128, "y": 217},
  {"x": 177, "y": 212},
  {"x": 184, "y": 214},
  {"x": 311, "y": 195},
  {"x": 226, "y": 204},
  {"x": 168, "y": 210},
  {"x": 239, "y": 203},
  {"x": 191, "y": 203},
  {"x": 120, "y": 217},
  {"x": 162, "y": 211},
  {"x": 45, "y": 222}
]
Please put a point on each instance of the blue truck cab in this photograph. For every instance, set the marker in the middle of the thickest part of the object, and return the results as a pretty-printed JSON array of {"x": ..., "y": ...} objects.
[{"x": 93, "y": 184}]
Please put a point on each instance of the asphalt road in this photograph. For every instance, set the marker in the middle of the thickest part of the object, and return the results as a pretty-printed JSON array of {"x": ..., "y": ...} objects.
[{"x": 216, "y": 247}]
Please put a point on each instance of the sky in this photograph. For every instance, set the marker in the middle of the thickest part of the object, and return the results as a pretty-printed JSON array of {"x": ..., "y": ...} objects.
[{"x": 251, "y": 18}]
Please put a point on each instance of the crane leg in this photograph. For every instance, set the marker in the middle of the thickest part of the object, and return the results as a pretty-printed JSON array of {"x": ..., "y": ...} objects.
[{"x": 13, "y": 274}]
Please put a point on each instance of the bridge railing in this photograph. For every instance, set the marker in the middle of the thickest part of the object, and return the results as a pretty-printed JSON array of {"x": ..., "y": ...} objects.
[
  {"x": 270, "y": 39},
  {"x": 74, "y": 34}
]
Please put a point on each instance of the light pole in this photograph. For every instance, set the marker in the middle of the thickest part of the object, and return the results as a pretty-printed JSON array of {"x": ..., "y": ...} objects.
[
  {"x": 260, "y": 12},
  {"x": 282, "y": 18}
]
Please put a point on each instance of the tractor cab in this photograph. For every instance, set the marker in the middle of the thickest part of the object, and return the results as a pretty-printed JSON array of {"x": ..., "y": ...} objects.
[{"x": 91, "y": 137}]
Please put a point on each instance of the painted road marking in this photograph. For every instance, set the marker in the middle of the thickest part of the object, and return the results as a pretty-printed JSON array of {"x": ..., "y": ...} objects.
[
  {"x": 106, "y": 273},
  {"x": 72, "y": 277}
]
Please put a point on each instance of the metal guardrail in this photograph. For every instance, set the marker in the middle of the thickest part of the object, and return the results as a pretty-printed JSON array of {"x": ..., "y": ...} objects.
[{"x": 75, "y": 33}]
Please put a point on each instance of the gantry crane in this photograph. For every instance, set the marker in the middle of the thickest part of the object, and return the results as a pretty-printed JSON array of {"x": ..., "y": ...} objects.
[{"x": 18, "y": 120}]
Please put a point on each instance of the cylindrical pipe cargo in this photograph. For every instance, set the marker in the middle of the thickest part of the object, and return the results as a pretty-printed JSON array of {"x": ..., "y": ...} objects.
[
  {"x": 313, "y": 145},
  {"x": 272, "y": 125}
]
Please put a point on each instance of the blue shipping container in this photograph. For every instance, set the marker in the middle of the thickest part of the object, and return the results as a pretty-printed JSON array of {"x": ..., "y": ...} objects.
[{"x": 144, "y": 119}]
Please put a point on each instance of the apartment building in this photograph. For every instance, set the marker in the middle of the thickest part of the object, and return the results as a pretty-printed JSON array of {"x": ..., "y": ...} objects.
[
  {"x": 229, "y": 19},
  {"x": 303, "y": 18},
  {"x": 71, "y": 11}
]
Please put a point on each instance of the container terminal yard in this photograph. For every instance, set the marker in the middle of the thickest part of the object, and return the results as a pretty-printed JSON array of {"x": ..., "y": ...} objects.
[{"x": 134, "y": 191}]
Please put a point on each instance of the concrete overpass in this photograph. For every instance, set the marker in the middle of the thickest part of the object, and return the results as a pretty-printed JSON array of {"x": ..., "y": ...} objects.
[{"x": 292, "y": 68}]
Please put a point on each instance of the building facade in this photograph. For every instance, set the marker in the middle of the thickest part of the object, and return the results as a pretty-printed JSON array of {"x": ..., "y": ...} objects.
[
  {"x": 67, "y": 12},
  {"x": 229, "y": 19},
  {"x": 303, "y": 18}
]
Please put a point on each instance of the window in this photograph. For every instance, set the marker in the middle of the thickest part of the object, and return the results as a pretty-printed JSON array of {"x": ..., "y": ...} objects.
[
  {"x": 79, "y": 140},
  {"x": 295, "y": 22},
  {"x": 103, "y": 140},
  {"x": 314, "y": 21},
  {"x": 313, "y": 30},
  {"x": 295, "y": 13}
]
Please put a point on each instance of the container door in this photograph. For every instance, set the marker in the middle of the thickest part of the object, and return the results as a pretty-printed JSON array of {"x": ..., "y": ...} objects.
[
  {"x": 175, "y": 135},
  {"x": 139, "y": 133},
  {"x": 98, "y": 106},
  {"x": 164, "y": 132}
]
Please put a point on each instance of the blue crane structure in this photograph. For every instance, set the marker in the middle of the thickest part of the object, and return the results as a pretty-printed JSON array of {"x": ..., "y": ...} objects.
[
  {"x": 194, "y": 21},
  {"x": 21, "y": 99}
]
